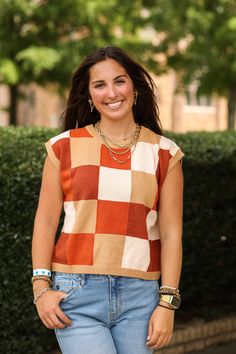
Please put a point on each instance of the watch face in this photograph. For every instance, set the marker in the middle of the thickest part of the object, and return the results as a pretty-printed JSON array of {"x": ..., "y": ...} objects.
[{"x": 175, "y": 301}]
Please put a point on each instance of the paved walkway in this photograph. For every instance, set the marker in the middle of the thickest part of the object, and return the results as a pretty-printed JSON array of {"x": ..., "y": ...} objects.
[{"x": 227, "y": 348}]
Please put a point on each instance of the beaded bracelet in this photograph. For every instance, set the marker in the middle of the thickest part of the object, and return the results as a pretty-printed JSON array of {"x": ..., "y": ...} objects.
[
  {"x": 41, "y": 277},
  {"x": 169, "y": 290},
  {"x": 40, "y": 294}
]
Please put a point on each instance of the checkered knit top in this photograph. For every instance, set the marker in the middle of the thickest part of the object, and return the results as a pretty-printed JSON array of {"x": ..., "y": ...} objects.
[{"x": 111, "y": 220}]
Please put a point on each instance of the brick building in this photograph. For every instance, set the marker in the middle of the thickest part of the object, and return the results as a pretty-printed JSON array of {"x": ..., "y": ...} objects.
[{"x": 178, "y": 112}]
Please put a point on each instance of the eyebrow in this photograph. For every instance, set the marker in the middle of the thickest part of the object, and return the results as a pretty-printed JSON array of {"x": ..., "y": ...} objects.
[{"x": 117, "y": 77}]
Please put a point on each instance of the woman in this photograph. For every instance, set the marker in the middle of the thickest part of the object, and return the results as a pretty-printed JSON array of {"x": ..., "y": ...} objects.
[{"x": 120, "y": 182}]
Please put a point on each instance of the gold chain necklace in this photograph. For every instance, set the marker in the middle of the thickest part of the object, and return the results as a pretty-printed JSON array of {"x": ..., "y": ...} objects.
[
  {"x": 117, "y": 142},
  {"x": 122, "y": 161},
  {"x": 126, "y": 146},
  {"x": 112, "y": 152}
]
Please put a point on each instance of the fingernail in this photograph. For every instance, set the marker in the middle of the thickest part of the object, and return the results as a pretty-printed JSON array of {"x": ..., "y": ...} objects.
[{"x": 148, "y": 337}]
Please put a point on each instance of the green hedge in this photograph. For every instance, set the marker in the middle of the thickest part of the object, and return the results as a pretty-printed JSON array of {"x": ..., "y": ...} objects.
[{"x": 209, "y": 228}]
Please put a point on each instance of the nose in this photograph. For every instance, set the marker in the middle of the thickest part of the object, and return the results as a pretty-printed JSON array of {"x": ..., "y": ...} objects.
[{"x": 112, "y": 93}]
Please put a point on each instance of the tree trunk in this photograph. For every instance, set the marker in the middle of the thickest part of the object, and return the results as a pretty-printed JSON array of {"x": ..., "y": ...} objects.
[
  {"x": 232, "y": 109},
  {"x": 13, "y": 104}
]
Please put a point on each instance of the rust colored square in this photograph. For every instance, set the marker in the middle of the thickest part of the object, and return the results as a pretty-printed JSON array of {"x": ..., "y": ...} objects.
[
  {"x": 84, "y": 182},
  {"x": 74, "y": 249},
  {"x": 155, "y": 256},
  {"x": 80, "y": 133},
  {"x": 108, "y": 161},
  {"x": 112, "y": 217},
  {"x": 137, "y": 220}
]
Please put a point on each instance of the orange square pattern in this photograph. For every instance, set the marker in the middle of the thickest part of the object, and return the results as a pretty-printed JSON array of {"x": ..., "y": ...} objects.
[
  {"x": 137, "y": 220},
  {"x": 107, "y": 224},
  {"x": 74, "y": 249},
  {"x": 155, "y": 256},
  {"x": 112, "y": 217},
  {"x": 108, "y": 161},
  {"x": 84, "y": 182}
]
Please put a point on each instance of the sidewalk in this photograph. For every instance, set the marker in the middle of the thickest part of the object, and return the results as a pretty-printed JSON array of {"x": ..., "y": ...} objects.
[
  {"x": 228, "y": 348},
  {"x": 203, "y": 337}
]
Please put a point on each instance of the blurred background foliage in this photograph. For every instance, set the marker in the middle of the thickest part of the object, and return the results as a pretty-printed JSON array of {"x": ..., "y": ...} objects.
[
  {"x": 43, "y": 41},
  {"x": 208, "y": 234}
]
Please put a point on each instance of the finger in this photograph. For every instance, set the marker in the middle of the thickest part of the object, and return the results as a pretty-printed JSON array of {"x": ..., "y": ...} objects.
[
  {"x": 150, "y": 331},
  {"x": 60, "y": 314},
  {"x": 153, "y": 340},
  {"x": 161, "y": 341},
  {"x": 48, "y": 323},
  {"x": 56, "y": 322}
]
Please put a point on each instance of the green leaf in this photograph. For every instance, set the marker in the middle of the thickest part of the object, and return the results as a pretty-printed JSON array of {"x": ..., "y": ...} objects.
[
  {"x": 38, "y": 59},
  {"x": 8, "y": 72}
]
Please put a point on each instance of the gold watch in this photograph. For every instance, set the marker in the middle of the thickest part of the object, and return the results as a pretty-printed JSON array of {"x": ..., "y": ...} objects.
[{"x": 172, "y": 300}]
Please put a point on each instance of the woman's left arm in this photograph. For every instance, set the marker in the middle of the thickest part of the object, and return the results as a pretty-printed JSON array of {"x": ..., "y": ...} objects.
[{"x": 170, "y": 225}]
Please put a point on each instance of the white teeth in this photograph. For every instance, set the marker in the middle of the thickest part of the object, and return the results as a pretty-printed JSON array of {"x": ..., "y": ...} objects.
[{"x": 114, "y": 104}]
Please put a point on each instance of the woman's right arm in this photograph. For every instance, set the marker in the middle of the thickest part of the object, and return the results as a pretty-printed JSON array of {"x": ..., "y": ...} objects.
[{"x": 45, "y": 227}]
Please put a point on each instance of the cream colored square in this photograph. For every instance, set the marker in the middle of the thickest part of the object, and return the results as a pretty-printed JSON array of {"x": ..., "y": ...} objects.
[
  {"x": 69, "y": 219},
  {"x": 145, "y": 158},
  {"x": 85, "y": 216},
  {"x": 108, "y": 250},
  {"x": 84, "y": 151},
  {"x": 114, "y": 184},
  {"x": 152, "y": 225},
  {"x": 144, "y": 188},
  {"x": 167, "y": 144},
  {"x": 136, "y": 253}
]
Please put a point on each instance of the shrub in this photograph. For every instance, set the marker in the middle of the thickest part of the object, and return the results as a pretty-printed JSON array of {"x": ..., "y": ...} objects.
[{"x": 209, "y": 227}]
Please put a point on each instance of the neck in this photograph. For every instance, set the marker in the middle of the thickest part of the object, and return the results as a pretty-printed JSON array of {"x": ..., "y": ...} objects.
[{"x": 117, "y": 129}]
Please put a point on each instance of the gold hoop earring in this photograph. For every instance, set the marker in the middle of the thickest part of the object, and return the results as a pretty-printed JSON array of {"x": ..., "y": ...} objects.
[
  {"x": 135, "y": 97},
  {"x": 91, "y": 105}
]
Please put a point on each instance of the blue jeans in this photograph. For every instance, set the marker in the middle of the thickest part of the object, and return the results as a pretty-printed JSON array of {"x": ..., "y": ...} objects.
[{"x": 110, "y": 314}]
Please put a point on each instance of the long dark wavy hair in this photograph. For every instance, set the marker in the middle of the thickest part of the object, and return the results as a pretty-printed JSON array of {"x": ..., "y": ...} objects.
[{"x": 78, "y": 114}]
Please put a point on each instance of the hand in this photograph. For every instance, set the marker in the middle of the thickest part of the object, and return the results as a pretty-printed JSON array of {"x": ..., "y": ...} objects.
[
  {"x": 49, "y": 310},
  {"x": 160, "y": 328}
]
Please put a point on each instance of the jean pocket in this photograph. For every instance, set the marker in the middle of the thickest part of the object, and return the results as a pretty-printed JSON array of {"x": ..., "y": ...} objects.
[{"x": 64, "y": 282}]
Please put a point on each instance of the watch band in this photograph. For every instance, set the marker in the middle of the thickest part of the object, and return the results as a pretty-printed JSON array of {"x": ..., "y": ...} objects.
[{"x": 173, "y": 300}]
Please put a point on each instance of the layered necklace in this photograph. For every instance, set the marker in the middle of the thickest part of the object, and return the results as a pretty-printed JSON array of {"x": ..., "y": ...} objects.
[{"x": 128, "y": 143}]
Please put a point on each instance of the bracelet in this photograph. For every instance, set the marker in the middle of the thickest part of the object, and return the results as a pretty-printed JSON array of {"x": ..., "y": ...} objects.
[
  {"x": 42, "y": 272},
  {"x": 166, "y": 307},
  {"x": 168, "y": 290},
  {"x": 40, "y": 294},
  {"x": 41, "y": 277},
  {"x": 168, "y": 287}
]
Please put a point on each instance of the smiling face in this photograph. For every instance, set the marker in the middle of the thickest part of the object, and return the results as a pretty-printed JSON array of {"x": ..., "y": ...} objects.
[{"x": 111, "y": 90}]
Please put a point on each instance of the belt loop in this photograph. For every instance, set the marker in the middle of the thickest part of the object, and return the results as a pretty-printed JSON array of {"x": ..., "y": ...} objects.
[{"x": 82, "y": 279}]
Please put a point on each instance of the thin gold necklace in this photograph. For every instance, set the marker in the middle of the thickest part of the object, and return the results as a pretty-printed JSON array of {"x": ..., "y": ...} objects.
[
  {"x": 122, "y": 161},
  {"x": 113, "y": 152},
  {"x": 126, "y": 146},
  {"x": 132, "y": 137}
]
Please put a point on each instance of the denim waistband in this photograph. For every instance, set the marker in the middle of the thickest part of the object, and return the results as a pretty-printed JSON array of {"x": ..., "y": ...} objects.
[{"x": 85, "y": 276}]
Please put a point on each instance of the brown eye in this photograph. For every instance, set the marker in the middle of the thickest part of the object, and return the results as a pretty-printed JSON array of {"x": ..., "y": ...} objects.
[
  {"x": 119, "y": 82},
  {"x": 99, "y": 85}
]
